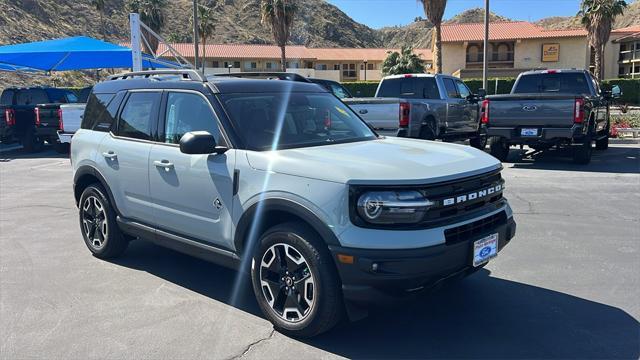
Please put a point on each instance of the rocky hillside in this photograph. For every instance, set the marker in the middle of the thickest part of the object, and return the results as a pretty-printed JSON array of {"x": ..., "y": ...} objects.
[{"x": 630, "y": 17}]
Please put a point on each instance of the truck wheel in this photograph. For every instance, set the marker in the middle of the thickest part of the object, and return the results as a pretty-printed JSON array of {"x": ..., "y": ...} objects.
[
  {"x": 479, "y": 141},
  {"x": 61, "y": 148},
  {"x": 428, "y": 131},
  {"x": 582, "y": 152},
  {"x": 98, "y": 224},
  {"x": 499, "y": 148},
  {"x": 603, "y": 144},
  {"x": 295, "y": 281},
  {"x": 32, "y": 143}
]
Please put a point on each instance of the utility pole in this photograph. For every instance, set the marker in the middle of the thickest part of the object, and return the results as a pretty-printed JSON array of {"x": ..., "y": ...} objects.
[
  {"x": 195, "y": 33},
  {"x": 485, "y": 59},
  {"x": 136, "y": 51}
]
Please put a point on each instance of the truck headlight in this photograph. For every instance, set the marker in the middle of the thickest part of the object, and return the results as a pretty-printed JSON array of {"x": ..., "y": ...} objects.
[{"x": 392, "y": 207}]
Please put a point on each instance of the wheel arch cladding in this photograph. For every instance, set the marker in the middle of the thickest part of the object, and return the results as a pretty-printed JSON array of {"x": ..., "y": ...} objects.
[
  {"x": 87, "y": 175},
  {"x": 271, "y": 212}
]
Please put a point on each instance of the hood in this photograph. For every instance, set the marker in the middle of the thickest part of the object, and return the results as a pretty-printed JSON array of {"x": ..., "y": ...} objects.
[{"x": 384, "y": 161}]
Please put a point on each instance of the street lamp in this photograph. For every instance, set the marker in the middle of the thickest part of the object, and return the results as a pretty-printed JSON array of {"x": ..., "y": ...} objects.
[
  {"x": 229, "y": 67},
  {"x": 365, "y": 70}
]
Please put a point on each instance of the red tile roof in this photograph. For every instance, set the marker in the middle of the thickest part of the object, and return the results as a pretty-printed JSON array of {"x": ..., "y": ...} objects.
[
  {"x": 253, "y": 51},
  {"x": 504, "y": 30},
  {"x": 627, "y": 30}
]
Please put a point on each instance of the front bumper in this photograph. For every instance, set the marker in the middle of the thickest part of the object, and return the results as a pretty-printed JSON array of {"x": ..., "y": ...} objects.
[
  {"x": 401, "y": 273},
  {"x": 512, "y": 134}
]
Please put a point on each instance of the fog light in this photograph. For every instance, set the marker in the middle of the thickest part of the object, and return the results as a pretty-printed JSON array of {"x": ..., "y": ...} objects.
[{"x": 374, "y": 267}]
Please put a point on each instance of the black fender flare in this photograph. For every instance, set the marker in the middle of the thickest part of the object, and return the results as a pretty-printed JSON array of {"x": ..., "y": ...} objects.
[
  {"x": 286, "y": 206},
  {"x": 89, "y": 170}
]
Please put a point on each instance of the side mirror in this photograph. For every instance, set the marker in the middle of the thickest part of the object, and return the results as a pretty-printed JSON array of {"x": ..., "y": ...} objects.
[
  {"x": 200, "y": 142},
  {"x": 482, "y": 93},
  {"x": 616, "y": 92}
]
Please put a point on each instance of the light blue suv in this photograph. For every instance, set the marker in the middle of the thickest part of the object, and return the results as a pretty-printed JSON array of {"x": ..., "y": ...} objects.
[{"x": 284, "y": 181}]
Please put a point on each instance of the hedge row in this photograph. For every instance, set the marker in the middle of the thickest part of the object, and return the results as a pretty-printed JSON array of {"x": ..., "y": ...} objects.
[{"x": 630, "y": 87}]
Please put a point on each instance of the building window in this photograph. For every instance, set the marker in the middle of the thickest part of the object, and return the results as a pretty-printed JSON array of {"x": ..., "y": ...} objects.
[
  {"x": 254, "y": 65},
  {"x": 269, "y": 65},
  {"x": 474, "y": 53},
  {"x": 215, "y": 64},
  {"x": 226, "y": 64},
  {"x": 371, "y": 66},
  {"x": 502, "y": 52},
  {"x": 349, "y": 70},
  {"x": 236, "y": 64},
  {"x": 336, "y": 67}
]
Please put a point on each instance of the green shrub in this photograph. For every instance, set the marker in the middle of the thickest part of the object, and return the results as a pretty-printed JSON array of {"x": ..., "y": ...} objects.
[
  {"x": 630, "y": 90},
  {"x": 362, "y": 88},
  {"x": 504, "y": 85}
]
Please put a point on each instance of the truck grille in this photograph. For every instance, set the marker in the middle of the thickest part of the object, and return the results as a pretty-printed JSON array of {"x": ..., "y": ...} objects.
[{"x": 476, "y": 228}]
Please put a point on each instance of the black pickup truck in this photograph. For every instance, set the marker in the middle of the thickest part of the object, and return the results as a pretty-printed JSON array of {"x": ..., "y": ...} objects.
[
  {"x": 549, "y": 108},
  {"x": 31, "y": 115}
]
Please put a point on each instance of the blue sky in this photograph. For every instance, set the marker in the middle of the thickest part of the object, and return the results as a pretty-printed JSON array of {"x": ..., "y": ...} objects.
[{"x": 380, "y": 13}]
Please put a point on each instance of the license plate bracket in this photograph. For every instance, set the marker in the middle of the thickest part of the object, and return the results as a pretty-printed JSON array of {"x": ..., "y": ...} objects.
[{"x": 485, "y": 249}]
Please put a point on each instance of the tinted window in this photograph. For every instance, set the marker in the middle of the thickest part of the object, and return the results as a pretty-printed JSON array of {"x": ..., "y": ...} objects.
[
  {"x": 571, "y": 83},
  {"x": 188, "y": 112},
  {"x": 463, "y": 90},
  {"x": 100, "y": 111},
  {"x": 32, "y": 97},
  {"x": 7, "y": 97},
  {"x": 62, "y": 96},
  {"x": 268, "y": 121},
  {"x": 138, "y": 114},
  {"x": 83, "y": 95},
  {"x": 339, "y": 91},
  {"x": 389, "y": 88},
  {"x": 452, "y": 89},
  {"x": 429, "y": 88}
]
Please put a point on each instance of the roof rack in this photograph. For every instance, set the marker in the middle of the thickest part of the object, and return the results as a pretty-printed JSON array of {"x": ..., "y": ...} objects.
[{"x": 189, "y": 74}]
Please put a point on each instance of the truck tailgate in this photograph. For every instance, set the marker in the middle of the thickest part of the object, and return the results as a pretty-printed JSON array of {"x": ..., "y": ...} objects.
[
  {"x": 72, "y": 117},
  {"x": 531, "y": 110},
  {"x": 381, "y": 113}
]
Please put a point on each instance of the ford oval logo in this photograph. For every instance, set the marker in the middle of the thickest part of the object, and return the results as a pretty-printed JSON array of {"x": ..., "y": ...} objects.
[
  {"x": 485, "y": 251},
  {"x": 529, "y": 108}
]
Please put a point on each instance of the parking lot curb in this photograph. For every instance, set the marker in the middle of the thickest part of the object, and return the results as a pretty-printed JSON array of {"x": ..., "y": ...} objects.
[{"x": 625, "y": 141}]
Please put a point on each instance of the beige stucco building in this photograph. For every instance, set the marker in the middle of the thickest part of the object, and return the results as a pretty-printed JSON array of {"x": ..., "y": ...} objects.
[{"x": 622, "y": 53}]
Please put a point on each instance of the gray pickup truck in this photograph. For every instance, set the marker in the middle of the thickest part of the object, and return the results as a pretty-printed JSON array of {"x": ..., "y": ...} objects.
[
  {"x": 549, "y": 108},
  {"x": 423, "y": 106}
]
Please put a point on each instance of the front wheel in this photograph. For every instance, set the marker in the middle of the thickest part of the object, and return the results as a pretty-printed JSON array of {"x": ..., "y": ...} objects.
[{"x": 295, "y": 281}]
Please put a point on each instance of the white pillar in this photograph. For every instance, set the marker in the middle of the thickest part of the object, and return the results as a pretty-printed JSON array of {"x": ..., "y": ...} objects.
[{"x": 136, "y": 52}]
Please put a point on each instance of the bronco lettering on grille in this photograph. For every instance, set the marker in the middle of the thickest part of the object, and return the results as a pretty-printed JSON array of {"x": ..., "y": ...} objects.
[{"x": 472, "y": 196}]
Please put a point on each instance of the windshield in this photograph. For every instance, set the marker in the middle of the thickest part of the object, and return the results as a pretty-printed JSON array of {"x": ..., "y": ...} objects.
[
  {"x": 270, "y": 121},
  {"x": 568, "y": 83}
]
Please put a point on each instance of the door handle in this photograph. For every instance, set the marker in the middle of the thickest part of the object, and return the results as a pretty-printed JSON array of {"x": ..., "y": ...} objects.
[
  {"x": 163, "y": 164},
  {"x": 110, "y": 155}
]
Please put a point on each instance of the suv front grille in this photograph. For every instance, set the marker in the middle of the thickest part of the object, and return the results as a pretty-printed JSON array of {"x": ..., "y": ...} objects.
[{"x": 476, "y": 228}]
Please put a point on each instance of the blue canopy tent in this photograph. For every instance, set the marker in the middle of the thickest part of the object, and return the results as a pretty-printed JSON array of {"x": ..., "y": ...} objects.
[{"x": 74, "y": 53}]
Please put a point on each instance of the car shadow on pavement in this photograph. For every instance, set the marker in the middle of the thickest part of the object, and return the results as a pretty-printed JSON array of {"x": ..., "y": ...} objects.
[
  {"x": 478, "y": 317},
  {"x": 47, "y": 152},
  {"x": 615, "y": 160}
]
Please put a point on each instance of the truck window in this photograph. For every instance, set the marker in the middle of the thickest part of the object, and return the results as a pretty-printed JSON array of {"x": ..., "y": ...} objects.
[
  {"x": 7, "y": 97},
  {"x": 452, "y": 89},
  {"x": 429, "y": 88},
  {"x": 463, "y": 90},
  {"x": 570, "y": 83},
  {"x": 32, "y": 97},
  {"x": 61, "y": 96},
  {"x": 411, "y": 88}
]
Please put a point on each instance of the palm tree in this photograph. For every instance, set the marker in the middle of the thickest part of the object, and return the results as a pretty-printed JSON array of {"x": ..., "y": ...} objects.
[
  {"x": 403, "y": 62},
  {"x": 597, "y": 16},
  {"x": 100, "y": 7},
  {"x": 152, "y": 14},
  {"x": 434, "y": 10},
  {"x": 206, "y": 27},
  {"x": 279, "y": 15}
]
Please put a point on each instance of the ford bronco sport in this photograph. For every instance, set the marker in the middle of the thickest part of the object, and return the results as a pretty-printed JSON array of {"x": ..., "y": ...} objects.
[{"x": 284, "y": 181}]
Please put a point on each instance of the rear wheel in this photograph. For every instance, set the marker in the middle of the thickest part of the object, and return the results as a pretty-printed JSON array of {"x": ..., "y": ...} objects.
[
  {"x": 31, "y": 142},
  {"x": 295, "y": 281},
  {"x": 499, "y": 148},
  {"x": 62, "y": 148},
  {"x": 582, "y": 152},
  {"x": 428, "y": 130},
  {"x": 98, "y": 224}
]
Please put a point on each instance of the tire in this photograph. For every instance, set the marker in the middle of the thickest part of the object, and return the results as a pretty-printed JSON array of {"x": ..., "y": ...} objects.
[
  {"x": 603, "y": 144},
  {"x": 98, "y": 224},
  {"x": 480, "y": 140},
  {"x": 315, "y": 305},
  {"x": 31, "y": 143},
  {"x": 499, "y": 148},
  {"x": 61, "y": 148},
  {"x": 582, "y": 152},
  {"x": 429, "y": 131}
]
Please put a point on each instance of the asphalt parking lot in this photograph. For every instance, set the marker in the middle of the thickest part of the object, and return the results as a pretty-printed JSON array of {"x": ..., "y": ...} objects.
[{"x": 568, "y": 286}]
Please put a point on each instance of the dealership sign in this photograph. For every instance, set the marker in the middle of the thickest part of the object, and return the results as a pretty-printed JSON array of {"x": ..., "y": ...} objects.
[{"x": 550, "y": 52}]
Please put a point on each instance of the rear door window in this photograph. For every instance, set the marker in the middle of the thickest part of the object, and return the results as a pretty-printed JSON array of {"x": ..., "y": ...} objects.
[
  {"x": 139, "y": 115},
  {"x": 429, "y": 88},
  {"x": 32, "y": 97},
  {"x": 463, "y": 90},
  {"x": 452, "y": 89},
  {"x": 389, "y": 88},
  {"x": 101, "y": 111}
]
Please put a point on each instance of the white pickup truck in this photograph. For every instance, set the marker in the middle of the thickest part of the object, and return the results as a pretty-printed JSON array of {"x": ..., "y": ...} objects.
[{"x": 70, "y": 118}]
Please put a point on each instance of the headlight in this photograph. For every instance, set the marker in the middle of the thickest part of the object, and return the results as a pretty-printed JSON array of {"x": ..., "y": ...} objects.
[{"x": 393, "y": 207}]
